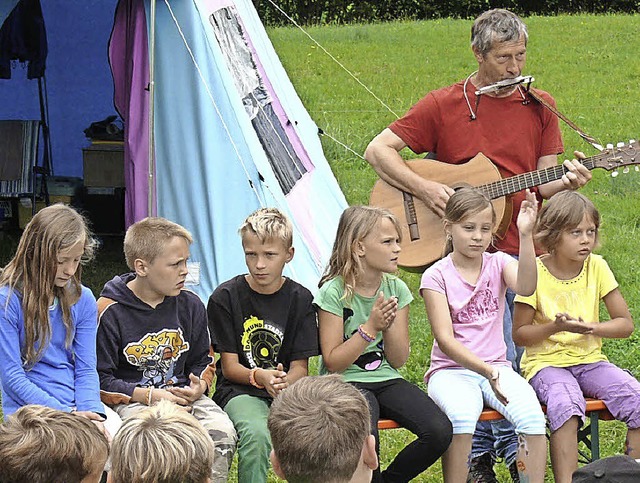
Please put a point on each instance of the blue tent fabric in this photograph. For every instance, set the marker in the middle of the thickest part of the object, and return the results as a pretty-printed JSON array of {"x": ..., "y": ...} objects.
[
  {"x": 217, "y": 158},
  {"x": 78, "y": 81},
  {"x": 211, "y": 167},
  {"x": 6, "y": 6}
]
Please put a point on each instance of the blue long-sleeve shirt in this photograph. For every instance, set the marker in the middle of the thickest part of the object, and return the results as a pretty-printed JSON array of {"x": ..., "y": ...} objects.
[{"x": 64, "y": 378}]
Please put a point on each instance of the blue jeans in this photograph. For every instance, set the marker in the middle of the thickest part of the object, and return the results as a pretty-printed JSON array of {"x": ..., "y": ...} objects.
[{"x": 499, "y": 437}]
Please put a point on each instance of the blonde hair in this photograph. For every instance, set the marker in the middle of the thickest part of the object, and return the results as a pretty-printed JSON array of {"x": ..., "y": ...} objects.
[
  {"x": 43, "y": 445},
  {"x": 356, "y": 223},
  {"x": 318, "y": 428},
  {"x": 146, "y": 239},
  {"x": 465, "y": 202},
  {"x": 563, "y": 212},
  {"x": 161, "y": 444},
  {"x": 268, "y": 224},
  {"x": 32, "y": 272}
]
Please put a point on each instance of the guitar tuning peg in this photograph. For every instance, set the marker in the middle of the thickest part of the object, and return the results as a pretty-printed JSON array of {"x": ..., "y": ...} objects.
[
  {"x": 620, "y": 145},
  {"x": 625, "y": 170},
  {"x": 614, "y": 174},
  {"x": 609, "y": 146}
]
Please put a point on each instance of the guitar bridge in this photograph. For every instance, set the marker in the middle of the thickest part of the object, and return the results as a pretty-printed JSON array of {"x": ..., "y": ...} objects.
[{"x": 410, "y": 214}]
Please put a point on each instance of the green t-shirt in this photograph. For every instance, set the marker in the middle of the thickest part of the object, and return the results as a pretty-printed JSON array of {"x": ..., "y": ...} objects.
[{"x": 372, "y": 365}]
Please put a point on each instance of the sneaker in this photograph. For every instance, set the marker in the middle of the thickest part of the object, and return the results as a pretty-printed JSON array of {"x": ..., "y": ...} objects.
[
  {"x": 481, "y": 469},
  {"x": 513, "y": 471}
]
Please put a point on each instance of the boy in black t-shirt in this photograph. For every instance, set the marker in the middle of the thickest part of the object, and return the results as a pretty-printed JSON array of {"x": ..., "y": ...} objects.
[{"x": 265, "y": 329}]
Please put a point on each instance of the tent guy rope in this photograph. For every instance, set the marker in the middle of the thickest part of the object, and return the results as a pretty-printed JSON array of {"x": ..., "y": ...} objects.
[{"x": 288, "y": 17}]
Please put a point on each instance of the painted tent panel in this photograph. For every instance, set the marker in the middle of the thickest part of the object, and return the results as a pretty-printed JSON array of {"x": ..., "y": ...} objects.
[{"x": 226, "y": 145}]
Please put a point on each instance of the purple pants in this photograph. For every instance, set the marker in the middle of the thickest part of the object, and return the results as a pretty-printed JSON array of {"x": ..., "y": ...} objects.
[{"x": 563, "y": 389}]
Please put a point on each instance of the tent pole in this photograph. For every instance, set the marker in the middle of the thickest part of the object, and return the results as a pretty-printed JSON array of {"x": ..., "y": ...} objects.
[{"x": 152, "y": 56}]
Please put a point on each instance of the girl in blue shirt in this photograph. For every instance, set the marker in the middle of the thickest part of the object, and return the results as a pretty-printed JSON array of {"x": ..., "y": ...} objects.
[{"x": 48, "y": 320}]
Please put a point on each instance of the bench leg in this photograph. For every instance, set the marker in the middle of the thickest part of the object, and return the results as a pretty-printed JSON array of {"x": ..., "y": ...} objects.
[
  {"x": 595, "y": 435},
  {"x": 590, "y": 436}
]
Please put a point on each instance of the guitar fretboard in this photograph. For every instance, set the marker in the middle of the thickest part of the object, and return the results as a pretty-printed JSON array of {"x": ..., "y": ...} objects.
[{"x": 522, "y": 181}]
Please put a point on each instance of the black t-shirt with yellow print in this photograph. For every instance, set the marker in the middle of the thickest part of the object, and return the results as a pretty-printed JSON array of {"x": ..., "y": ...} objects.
[{"x": 263, "y": 330}]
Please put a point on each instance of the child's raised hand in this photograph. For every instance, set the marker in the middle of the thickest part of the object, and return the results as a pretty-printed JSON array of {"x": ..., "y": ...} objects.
[
  {"x": 383, "y": 312},
  {"x": 566, "y": 323},
  {"x": 528, "y": 213}
]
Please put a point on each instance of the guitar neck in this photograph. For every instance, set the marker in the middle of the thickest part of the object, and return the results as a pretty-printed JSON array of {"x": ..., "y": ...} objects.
[{"x": 507, "y": 186}]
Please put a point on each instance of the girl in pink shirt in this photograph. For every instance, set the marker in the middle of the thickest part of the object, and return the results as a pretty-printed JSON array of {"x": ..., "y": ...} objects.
[{"x": 464, "y": 294}]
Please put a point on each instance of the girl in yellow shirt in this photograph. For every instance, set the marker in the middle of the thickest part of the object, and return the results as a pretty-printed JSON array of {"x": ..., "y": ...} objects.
[{"x": 560, "y": 329}]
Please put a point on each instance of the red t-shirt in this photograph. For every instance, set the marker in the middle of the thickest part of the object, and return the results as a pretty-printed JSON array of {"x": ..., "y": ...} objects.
[{"x": 511, "y": 134}]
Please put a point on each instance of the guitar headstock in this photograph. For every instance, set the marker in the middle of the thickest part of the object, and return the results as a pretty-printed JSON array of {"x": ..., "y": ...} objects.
[{"x": 614, "y": 157}]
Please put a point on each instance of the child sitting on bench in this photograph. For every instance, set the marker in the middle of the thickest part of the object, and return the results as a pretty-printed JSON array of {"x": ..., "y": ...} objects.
[{"x": 560, "y": 328}]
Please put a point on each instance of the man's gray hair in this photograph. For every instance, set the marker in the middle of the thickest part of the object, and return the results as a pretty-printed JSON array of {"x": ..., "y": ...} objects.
[{"x": 497, "y": 25}]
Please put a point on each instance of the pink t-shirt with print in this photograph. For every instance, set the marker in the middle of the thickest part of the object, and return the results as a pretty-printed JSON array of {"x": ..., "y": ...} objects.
[{"x": 476, "y": 310}]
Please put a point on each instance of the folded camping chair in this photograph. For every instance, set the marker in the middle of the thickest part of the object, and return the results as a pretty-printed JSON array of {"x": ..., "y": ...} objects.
[{"x": 19, "y": 158}]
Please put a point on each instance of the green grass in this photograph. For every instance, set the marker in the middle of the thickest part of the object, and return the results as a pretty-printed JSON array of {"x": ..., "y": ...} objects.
[{"x": 589, "y": 64}]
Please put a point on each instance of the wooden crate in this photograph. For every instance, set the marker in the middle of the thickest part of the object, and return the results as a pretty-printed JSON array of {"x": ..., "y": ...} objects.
[{"x": 104, "y": 165}]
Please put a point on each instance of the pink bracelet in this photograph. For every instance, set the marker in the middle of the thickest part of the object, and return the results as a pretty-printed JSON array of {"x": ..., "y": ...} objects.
[{"x": 364, "y": 334}]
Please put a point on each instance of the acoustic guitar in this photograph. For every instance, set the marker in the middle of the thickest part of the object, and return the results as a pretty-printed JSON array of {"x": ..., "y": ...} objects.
[{"x": 423, "y": 238}]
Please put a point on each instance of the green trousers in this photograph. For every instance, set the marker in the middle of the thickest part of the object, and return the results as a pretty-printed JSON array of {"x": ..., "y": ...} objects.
[{"x": 249, "y": 416}]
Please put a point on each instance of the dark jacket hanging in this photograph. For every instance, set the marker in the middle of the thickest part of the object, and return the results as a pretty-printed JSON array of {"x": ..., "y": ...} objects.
[{"x": 23, "y": 38}]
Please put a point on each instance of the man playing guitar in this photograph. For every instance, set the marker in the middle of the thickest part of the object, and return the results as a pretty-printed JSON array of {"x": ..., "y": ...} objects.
[{"x": 515, "y": 132}]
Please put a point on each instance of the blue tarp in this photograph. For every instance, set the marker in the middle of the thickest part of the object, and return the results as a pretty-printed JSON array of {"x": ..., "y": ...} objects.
[{"x": 78, "y": 78}]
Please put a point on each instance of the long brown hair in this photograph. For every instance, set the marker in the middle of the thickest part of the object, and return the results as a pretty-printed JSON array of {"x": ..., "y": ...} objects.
[
  {"x": 356, "y": 223},
  {"x": 32, "y": 271}
]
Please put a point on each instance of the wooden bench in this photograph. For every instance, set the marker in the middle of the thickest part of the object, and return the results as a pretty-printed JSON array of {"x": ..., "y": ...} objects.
[{"x": 589, "y": 435}]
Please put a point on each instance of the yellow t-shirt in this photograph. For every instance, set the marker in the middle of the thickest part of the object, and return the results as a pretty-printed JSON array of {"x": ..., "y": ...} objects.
[{"x": 578, "y": 297}]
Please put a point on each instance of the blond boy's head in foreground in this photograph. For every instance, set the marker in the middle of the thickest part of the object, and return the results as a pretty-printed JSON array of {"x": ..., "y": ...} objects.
[{"x": 161, "y": 444}]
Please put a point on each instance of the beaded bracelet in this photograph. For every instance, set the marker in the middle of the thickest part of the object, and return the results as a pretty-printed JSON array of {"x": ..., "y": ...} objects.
[
  {"x": 364, "y": 334},
  {"x": 252, "y": 378}
]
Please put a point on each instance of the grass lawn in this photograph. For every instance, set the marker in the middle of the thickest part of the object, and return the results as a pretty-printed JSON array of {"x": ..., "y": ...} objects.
[{"x": 588, "y": 63}]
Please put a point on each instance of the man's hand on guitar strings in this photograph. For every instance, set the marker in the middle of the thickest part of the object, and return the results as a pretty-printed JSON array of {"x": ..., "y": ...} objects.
[{"x": 435, "y": 195}]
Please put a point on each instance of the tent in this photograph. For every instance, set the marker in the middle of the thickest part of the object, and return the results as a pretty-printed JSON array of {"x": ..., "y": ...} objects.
[{"x": 229, "y": 132}]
